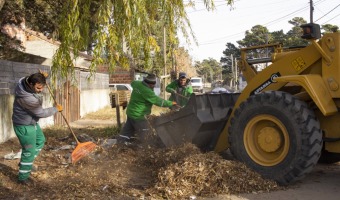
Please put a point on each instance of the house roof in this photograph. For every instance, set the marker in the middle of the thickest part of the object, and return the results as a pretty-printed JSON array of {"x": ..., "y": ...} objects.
[{"x": 40, "y": 45}]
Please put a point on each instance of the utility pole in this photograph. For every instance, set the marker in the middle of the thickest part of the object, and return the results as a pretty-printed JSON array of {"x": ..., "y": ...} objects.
[
  {"x": 164, "y": 50},
  {"x": 232, "y": 71},
  {"x": 311, "y": 10},
  {"x": 236, "y": 76},
  {"x": 221, "y": 78},
  {"x": 173, "y": 61},
  {"x": 164, "y": 60}
]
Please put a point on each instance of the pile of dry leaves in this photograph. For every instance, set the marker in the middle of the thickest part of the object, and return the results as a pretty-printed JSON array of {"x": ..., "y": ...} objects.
[
  {"x": 188, "y": 172},
  {"x": 123, "y": 172}
]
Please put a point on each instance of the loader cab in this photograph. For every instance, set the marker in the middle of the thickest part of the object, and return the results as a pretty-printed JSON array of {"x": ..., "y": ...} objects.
[{"x": 311, "y": 31}]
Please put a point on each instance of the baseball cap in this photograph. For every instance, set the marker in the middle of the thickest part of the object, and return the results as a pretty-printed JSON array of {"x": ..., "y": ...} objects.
[{"x": 182, "y": 75}]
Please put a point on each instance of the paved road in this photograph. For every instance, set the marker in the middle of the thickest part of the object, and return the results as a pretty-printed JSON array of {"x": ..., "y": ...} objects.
[{"x": 323, "y": 183}]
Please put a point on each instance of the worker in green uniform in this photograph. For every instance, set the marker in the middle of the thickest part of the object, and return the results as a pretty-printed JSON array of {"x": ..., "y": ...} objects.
[
  {"x": 180, "y": 89},
  {"x": 27, "y": 110},
  {"x": 142, "y": 99}
]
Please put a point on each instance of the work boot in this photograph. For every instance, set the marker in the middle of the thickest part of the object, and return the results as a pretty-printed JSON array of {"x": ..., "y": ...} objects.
[
  {"x": 124, "y": 140},
  {"x": 34, "y": 168},
  {"x": 26, "y": 182}
]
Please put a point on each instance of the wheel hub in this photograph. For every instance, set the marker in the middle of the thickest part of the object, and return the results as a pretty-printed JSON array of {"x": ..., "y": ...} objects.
[
  {"x": 266, "y": 140},
  {"x": 269, "y": 139}
]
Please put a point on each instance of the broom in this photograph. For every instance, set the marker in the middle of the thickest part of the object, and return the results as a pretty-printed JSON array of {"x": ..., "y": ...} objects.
[{"x": 82, "y": 149}]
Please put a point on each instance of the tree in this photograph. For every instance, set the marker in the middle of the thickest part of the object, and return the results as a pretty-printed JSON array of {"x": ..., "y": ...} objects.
[
  {"x": 210, "y": 69},
  {"x": 293, "y": 37},
  {"x": 183, "y": 62},
  {"x": 278, "y": 37},
  {"x": 231, "y": 52},
  {"x": 122, "y": 30},
  {"x": 329, "y": 28},
  {"x": 258, "y": 35},
  {"x": 38, "y": 15}
]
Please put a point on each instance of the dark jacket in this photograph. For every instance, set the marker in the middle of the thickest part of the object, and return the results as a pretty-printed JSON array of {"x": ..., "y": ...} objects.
[{"x": 27, "y": 106}]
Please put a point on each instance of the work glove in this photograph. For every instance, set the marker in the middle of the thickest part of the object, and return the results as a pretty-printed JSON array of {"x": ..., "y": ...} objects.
[
  {"x": 175, "y": 106},
  {"x": 59, "y": 107}
]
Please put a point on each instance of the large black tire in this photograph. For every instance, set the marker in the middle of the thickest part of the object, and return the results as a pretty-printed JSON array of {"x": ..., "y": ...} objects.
[{"x": 276, "y": 135}]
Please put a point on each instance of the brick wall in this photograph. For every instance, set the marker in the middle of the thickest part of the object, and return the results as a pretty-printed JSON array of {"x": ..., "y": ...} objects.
[{"x": 121, "y": 75}]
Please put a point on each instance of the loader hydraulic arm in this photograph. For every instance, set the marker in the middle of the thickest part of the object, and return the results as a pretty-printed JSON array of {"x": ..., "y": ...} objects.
[{"x": 246, "y": 64}]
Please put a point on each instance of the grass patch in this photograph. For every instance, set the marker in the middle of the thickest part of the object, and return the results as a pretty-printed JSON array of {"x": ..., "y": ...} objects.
[
  {"x": 96, "y": 133},
  {"x": 106, "y": 113}
]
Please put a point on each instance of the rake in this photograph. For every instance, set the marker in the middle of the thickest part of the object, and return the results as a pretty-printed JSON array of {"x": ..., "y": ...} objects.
[{"x": 82, "y": 149}]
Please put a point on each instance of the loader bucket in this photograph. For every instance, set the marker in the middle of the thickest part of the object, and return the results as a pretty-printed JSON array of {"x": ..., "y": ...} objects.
[{"x": 200, "y": 122}]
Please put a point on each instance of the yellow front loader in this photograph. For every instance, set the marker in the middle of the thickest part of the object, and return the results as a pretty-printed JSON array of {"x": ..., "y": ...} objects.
[{"x": 285, "y": 118}]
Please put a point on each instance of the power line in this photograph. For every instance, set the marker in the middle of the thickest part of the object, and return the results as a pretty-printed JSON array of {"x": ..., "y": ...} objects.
[
  {"x": 327, "y": 13},
  {"x": 213, "y": 41},
  {"x": 281, "y": 18},
  {"x": 218, "y": 39},
  {"x": 331, "y": 19},
  {"x": 236, "y": 34}
]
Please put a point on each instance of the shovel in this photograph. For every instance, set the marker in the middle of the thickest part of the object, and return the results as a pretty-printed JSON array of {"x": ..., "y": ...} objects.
[{"x": 82, "y": 149}]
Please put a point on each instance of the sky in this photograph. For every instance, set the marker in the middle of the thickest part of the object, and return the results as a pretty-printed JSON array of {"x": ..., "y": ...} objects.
[{"x": 215, "y": 29}]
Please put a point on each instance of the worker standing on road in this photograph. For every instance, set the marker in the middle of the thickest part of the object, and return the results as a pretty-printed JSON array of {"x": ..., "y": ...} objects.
[
  {"x": 180, "y": 89},
  {"x": 27, "y": 110},
  {"x": 142, "y": 99}
]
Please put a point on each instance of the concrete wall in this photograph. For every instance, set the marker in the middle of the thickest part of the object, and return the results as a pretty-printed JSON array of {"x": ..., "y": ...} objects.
[
  {"x": 94, "y": 93},
  {"x": 93, "y": 100},
  {"x": 6, "y": 107}
]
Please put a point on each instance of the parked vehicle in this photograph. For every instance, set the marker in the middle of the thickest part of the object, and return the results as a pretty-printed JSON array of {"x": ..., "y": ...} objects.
[
  {"x": 120, "y": 86},
  {"x": 219, "y": 90},
  {"x": 197, "y": 84}
]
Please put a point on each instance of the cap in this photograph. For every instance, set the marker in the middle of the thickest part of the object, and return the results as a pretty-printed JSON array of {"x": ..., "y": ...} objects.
[
  {"x": 182, "y": 75},
  {"x": 150, "y": 79}
]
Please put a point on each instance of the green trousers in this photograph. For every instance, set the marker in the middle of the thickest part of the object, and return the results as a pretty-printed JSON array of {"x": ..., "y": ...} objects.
[{"x": 32, "y": 140}]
